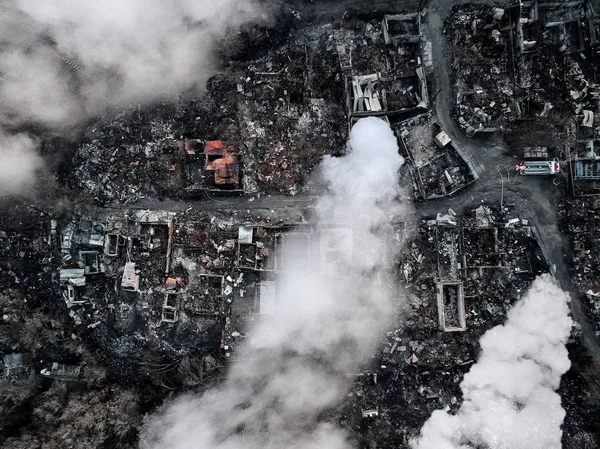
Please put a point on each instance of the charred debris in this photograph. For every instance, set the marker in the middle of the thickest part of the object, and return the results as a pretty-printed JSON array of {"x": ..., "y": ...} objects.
[
  {"x": 165, "y": 299},
  {"x": 529, "y": 70},
  {"x": 461, "y": 274},
  {"x": 578, "y": 220},
  {"x": 117, "y": 306},
  {"x": 262, "y": 125},
  {"x": 526, "y": 62}
]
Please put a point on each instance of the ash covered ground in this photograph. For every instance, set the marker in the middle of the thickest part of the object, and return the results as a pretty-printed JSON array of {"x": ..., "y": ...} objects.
[{"x": 299, "y": 224}]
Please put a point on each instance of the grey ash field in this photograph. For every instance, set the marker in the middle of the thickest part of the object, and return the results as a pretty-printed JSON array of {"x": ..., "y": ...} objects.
[{"x": 301, "y": 224}]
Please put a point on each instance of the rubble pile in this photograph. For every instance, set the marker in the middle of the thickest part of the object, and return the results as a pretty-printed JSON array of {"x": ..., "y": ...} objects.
[
  {"x": 116, "y": 306},
  {"x": 582, "y": 154},
  {"x": 383, "y": 64},
  {"x": 290, "y": 112},
  {"x": 484, "y": 91},
  {"x": 529, "y": 64},
  {"x": 150, "y": 288},
  {"x": 578, "y": 218},
  {"x": 282, "y": 112},
  {"x": 489, "y": 259},
  {"x": 436, "y": 165},
  {"x": 272, "y": 118},
  {"x": 144, "y": 151},
  {"x": 563, "y": 54},
  {"x": 141, "y": 285},
  {"x": 130, "y": 157}
]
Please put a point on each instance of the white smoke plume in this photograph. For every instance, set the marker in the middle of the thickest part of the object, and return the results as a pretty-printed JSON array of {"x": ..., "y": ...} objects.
[
  {"x": 64, "y": 61},
  {"x": 18, "y": 163},
  {"x": 510, "y": 398},
  {"x": 328, "y": 317}
]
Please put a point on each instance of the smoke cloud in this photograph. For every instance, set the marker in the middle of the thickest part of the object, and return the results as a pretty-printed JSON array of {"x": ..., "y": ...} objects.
[
  {"x": 328, "y": 316},
  {"x": 510, "y": 398},
  {"x": 18, "y": 163},
  {"x": 67, "y": 60}
]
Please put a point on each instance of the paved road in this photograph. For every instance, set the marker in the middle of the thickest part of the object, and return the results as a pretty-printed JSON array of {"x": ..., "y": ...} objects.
[{"x": 211, "y": 203}]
